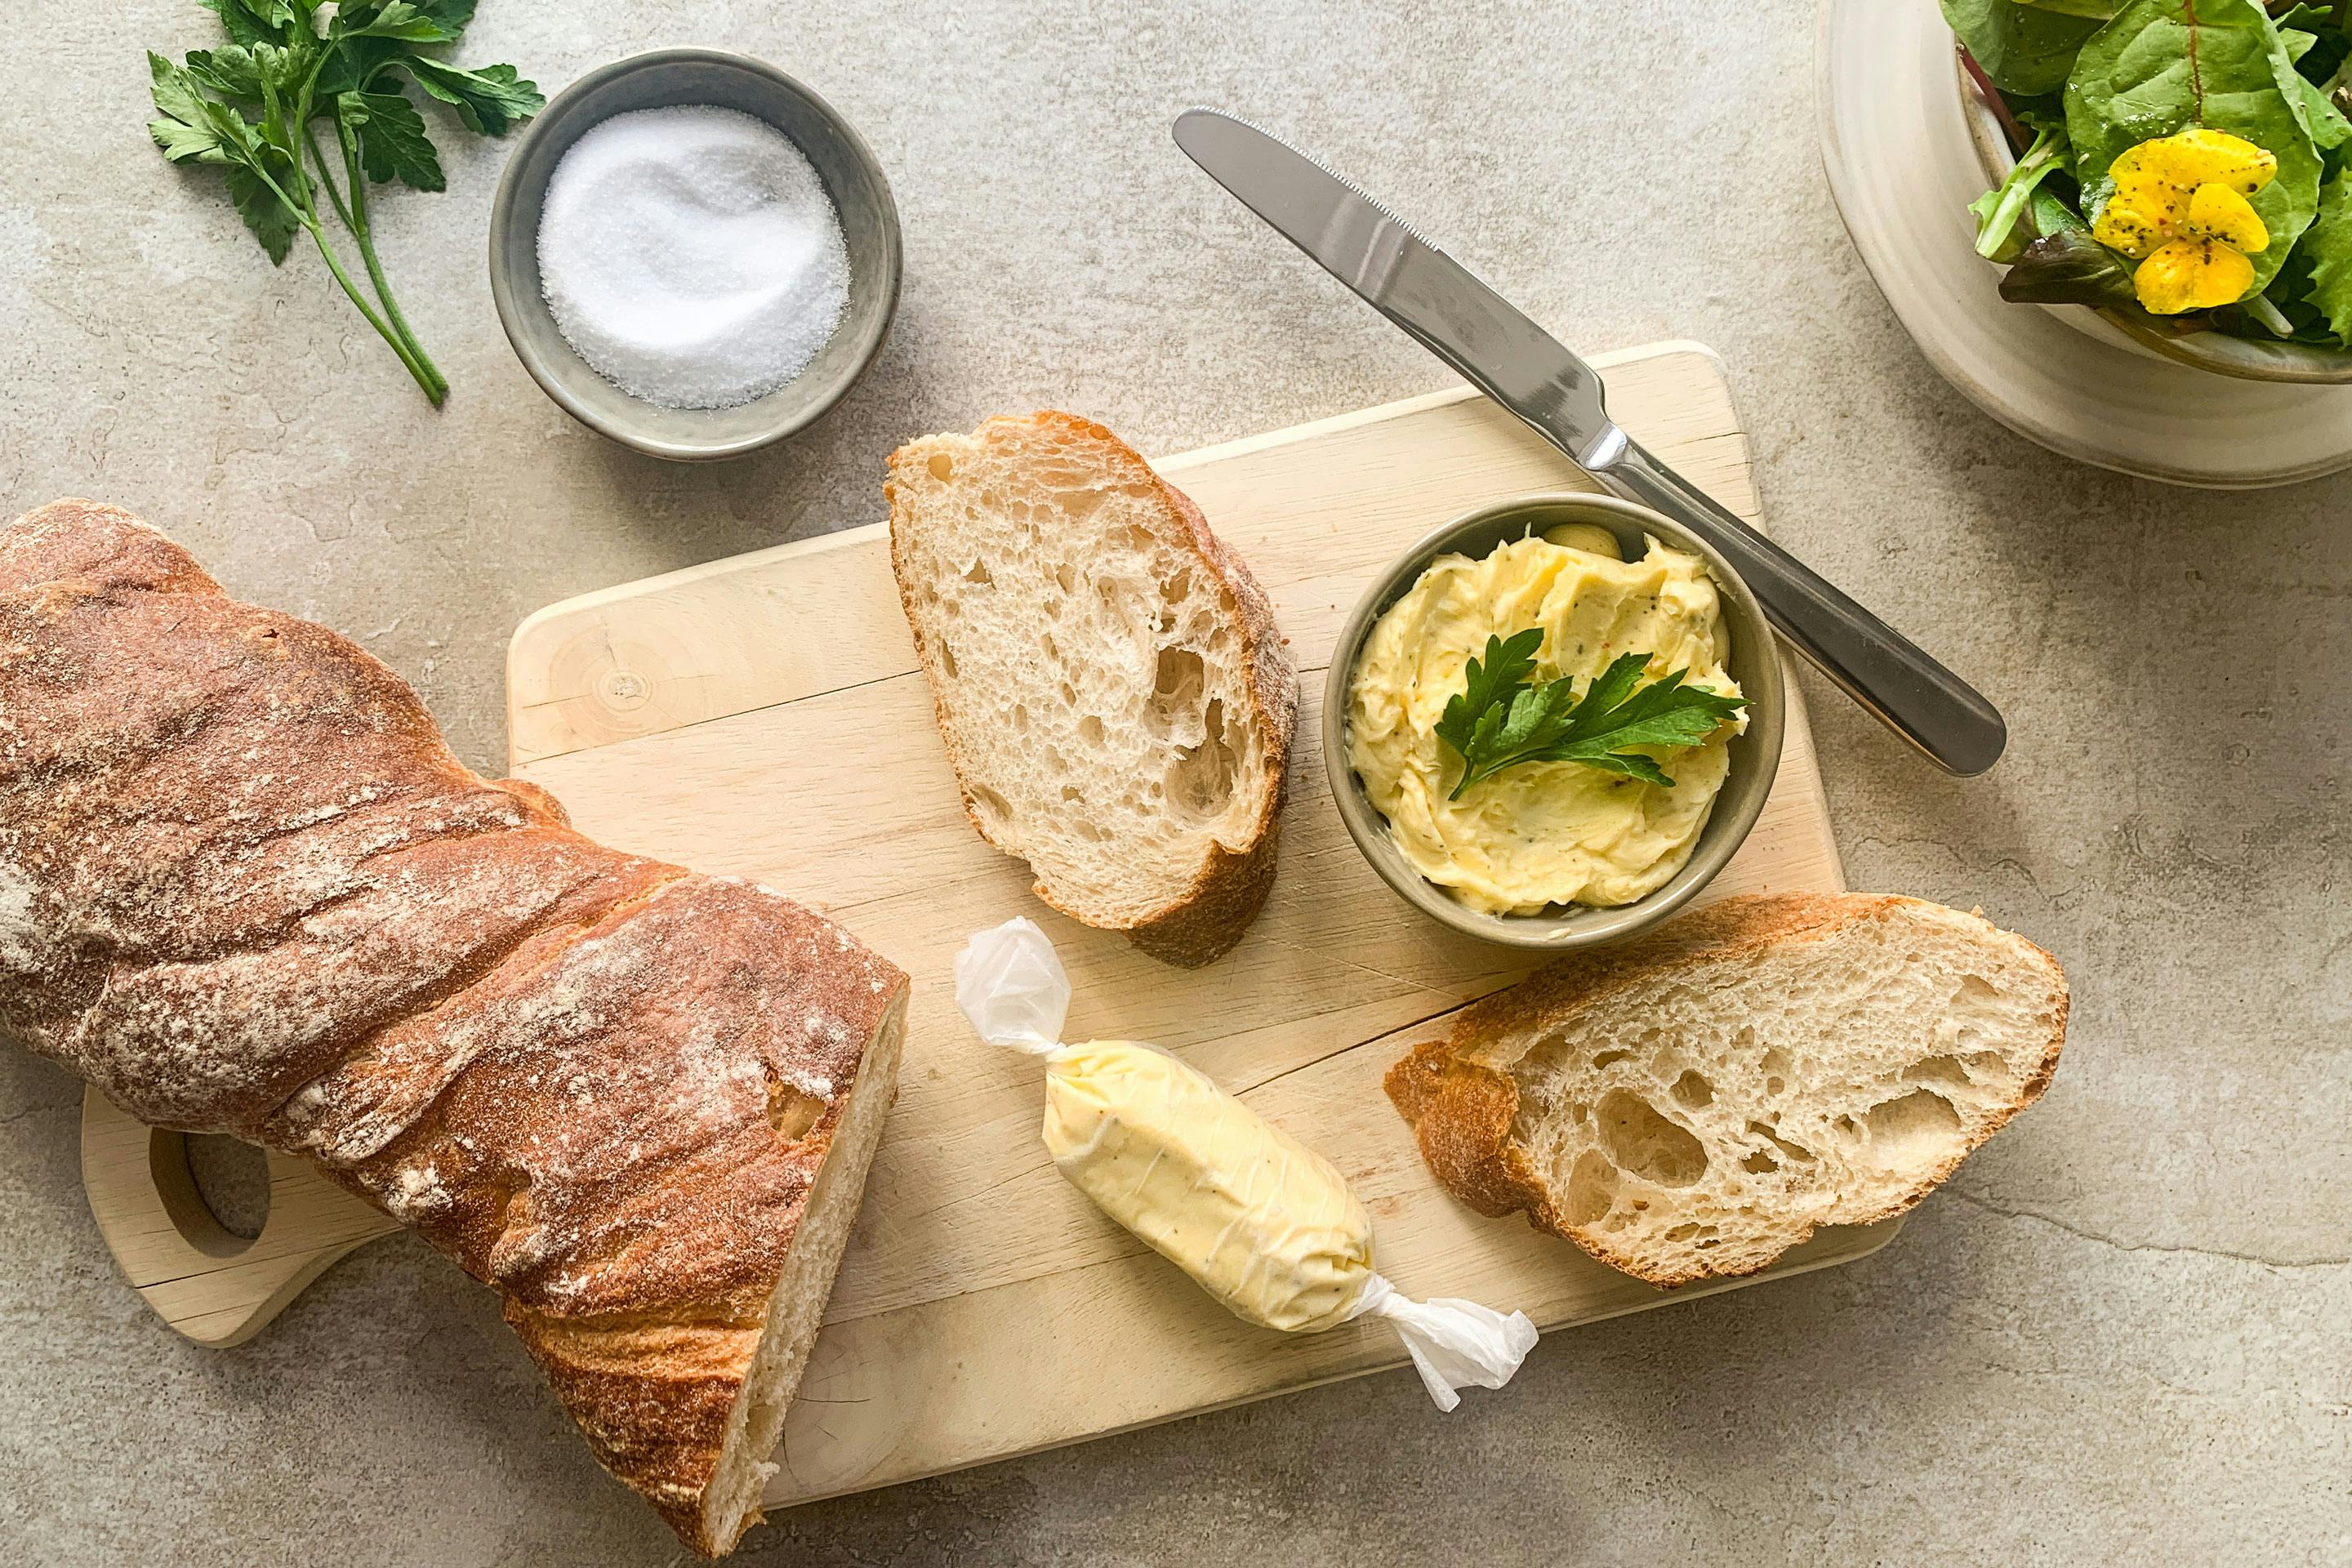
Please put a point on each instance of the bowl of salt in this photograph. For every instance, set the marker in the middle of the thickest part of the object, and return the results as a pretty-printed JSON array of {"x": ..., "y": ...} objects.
[{"x": 693, "y": 254}]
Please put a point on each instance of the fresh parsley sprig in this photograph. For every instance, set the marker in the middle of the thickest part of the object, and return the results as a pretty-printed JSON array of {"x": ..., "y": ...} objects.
[
  {"x": 1504, "y": 718},
  {"x": 252, "y": 105}
]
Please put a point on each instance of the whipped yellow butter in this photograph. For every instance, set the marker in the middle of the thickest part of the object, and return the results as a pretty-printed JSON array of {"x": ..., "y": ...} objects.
[
  {"x": 1540, "y": 833},
  {"x": 1262, "y": 1222}
]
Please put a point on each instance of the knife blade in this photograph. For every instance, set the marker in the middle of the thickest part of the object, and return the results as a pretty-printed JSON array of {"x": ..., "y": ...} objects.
[{"x": 1494, "y": 346}]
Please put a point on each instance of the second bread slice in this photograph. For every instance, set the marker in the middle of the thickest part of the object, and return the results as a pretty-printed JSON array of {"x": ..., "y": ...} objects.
[
  {"x": 1109, "y": 683},
  {"x": 1691, "y": 1105}
]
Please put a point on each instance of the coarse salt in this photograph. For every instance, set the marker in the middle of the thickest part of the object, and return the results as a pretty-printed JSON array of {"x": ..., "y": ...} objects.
[{"x": 691, "y": 256}]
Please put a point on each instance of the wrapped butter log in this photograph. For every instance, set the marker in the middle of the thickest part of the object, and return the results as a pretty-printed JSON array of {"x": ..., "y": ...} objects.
[{"x": 1265, "y": 1223}]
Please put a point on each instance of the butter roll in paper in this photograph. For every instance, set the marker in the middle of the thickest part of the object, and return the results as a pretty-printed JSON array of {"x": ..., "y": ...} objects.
[{"x": 1265, "y": 1223}]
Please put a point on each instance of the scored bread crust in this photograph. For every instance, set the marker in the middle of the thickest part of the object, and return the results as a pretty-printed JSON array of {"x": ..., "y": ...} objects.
[
  {"x": 1464, "y": 1102},
  {"x": 246, "y": 889},
  {"x": 1200, "y": 921}
]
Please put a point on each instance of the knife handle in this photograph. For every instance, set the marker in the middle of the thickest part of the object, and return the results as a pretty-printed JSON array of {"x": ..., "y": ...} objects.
[{"x": 1878, "y": 667}]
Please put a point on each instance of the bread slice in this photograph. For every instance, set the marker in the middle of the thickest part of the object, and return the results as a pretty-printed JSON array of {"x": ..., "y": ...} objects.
[
  {"x": 1113, "y": 693},
  {"x": 730, "y": 1503},
  {"x": 689, "y": 1407},
  {"x": 1692, "y": 1105}
]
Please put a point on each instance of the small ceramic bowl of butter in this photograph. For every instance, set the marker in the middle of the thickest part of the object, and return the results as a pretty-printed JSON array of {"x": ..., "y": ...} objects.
[{"x": 1552, "y": 722}]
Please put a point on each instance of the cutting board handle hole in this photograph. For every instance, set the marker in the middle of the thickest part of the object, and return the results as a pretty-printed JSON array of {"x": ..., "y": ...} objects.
[{"x": 235, "y": 1177}]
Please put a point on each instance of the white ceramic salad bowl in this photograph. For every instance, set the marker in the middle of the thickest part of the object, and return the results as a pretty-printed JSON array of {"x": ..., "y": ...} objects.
[{"x": 1903, "y": 167}]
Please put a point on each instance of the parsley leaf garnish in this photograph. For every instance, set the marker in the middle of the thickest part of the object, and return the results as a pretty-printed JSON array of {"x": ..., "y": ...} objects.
[
  {"x": 392, "y": 139},
  {"x": 1502, "y": 717},
  {"x": 254, "y": 104}
]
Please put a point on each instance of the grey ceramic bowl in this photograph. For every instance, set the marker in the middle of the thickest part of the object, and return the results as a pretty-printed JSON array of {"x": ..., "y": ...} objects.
[
  {"x": 869, "y": 227},
  {"x": 1755, "y": 756}
]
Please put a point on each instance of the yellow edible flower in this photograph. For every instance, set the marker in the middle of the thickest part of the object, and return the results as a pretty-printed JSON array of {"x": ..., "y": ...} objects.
[{"x": 2180, "y": 211}]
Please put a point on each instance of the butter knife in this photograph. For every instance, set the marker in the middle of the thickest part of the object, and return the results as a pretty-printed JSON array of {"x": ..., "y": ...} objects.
[{"x": 1518, "y": 364}]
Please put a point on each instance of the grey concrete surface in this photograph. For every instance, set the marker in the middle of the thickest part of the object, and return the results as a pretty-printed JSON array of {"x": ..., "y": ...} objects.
[{"x": 2122, "y": 1328}]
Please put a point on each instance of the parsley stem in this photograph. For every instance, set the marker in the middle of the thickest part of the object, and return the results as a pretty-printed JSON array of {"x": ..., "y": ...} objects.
[
  {"x": 355, "y": 218},
  {"x": 334, "y": 195},
  {"x": 434, "y": 388},
  {"x": 305, "y": 213}
]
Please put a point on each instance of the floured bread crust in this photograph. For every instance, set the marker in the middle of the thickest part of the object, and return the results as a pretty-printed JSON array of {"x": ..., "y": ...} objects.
[{"x": 245, "y": 887}]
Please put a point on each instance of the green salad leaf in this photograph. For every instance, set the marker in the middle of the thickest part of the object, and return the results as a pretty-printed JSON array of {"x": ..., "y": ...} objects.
[
  {"x": 2321, "y": 60},
  {"x": 2063, "y": 265},
  {"x": 1999, "y": 210},
  {"x": 2315, "y": 46},
  {"x": 2289, "y": 297},
  {"x": 2328, "y": 248},
  {"x": 2046, "y": 111},
  {"x": 2325, "y": 122},
  {"x": 2020, "y": 48},
  {"x": 2265, "y": 313},
  {"x": 2163, "y": 66},
  {"x": 1502, "y": 718}
]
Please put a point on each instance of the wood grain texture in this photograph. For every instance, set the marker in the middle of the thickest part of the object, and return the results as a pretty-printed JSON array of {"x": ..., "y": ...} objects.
[
  {"x": 1314, "y": 510},
  {"x": 217, "y": 1288},
  {"x": 764, "y": 717}
]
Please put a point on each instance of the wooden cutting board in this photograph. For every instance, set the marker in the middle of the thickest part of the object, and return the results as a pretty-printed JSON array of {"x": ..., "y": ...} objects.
[{"x": 764, "y": 716}]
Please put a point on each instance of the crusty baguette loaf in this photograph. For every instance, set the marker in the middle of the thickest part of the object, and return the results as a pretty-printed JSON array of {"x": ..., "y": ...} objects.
[
  {"x": 1113, "y": 693},
  {"x": 1693, "y": 1104},
  {"x": 245, "y": 887}
]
